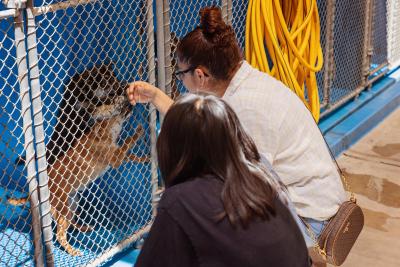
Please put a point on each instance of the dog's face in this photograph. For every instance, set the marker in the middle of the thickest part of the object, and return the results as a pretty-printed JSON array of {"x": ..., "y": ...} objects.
[{"x": 99, "y": 93}]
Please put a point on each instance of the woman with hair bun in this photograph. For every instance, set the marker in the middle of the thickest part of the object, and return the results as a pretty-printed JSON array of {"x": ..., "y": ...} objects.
[
  {"x": 284, "y": 131},
  {"x": 221, "y": 206}
]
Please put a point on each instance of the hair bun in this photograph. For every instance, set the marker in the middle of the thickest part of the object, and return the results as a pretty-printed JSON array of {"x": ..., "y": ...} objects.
[{"x": 211, "y": 21}]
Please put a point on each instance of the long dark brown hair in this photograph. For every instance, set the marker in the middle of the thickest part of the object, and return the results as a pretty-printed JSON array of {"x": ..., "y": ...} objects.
[
  {"x": 202, "y": 135},
  {"x": 212, "y": 45}
]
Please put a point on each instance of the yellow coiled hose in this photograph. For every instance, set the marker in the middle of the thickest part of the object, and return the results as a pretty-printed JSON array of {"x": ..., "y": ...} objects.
[{"x": 290, "y": 31}]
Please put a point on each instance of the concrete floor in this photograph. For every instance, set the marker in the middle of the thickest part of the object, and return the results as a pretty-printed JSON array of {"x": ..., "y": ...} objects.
[{"x": 372, "y": 166}]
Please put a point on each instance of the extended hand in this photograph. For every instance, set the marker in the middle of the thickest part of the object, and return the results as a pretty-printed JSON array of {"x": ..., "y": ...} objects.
[{"x": 141, "y": 92}]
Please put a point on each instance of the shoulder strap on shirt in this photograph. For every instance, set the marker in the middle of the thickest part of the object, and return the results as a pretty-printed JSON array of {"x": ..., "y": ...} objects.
[{"x": 342, "y": 176}]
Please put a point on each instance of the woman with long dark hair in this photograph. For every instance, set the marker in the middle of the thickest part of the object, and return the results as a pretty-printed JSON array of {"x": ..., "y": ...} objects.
[
  {"x": 220, "y": 206},
  {"x": 210, "y": 60}
]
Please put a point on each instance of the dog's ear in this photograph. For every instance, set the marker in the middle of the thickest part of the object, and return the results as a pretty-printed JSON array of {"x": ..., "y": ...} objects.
[
  {"x": 78, "y": 83},
  {"x": 82, "y": 76},
  {"x": 106, "y": 64}
]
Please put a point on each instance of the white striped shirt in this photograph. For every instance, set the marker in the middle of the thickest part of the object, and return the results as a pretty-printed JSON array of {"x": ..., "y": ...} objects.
[{"x": 286, "y": 133}]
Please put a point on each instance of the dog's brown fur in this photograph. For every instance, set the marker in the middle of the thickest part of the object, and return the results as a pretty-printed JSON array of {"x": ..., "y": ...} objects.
[
  {"x": 82, "y": 164},
  {"x": 88, "y": 157}
]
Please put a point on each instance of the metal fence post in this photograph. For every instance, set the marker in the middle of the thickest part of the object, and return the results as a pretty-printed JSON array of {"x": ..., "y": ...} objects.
[
  {"x": 229, "y": 12},
  {"x": 44, "y": 194},
  {"x": 329, "y": 56},
  {"x": 224, "y": 10},
  {"x": 367, "y": 47},
  {"x": 393, "y": 34},
  {"x": 160, "y": 45},
  {"x": 28, "y": 136},
  {"x": 167, "y": 48},
  {"x": 153, "y": 111},
  {"x": 379, "y": 43}
]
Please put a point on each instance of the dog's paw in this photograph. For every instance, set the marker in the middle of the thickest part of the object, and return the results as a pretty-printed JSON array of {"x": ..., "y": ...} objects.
[
  {"x": 144, "y": 159},
  {"x": 138, "y": 133},
  {"x": 139, "y": 130},
  {"x": 73, "y": 251},
  {"x": 17, "y": 201},
  {"x": 83, "y": 227},
  {"x": 68, "y": 248}
]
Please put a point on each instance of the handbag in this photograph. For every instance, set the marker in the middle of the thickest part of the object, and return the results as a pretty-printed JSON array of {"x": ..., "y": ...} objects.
[{"x": 339, "y": 235}]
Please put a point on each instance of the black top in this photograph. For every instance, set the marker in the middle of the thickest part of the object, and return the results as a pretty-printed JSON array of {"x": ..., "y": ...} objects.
[{"x": 186, "y": 233}]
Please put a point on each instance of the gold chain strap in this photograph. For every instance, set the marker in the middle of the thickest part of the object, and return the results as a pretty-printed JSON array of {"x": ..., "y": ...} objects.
[
  {"x": 347, "y": 186},
  {"x": 320, "y": 251},
  {"x": 343, "y": 178},
  {"x": 353, "y": 199}
]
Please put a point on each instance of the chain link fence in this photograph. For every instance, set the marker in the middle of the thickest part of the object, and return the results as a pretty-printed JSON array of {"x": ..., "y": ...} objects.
[
  {"x": 393, "y": 32},
  {"x": 86, "y": 157},
  {"x": 174, "y": 20},
  {"x": 325, "y": 11},
  {"x": 379, "y": 41},
  {"x": 17, "y": 223},
  {"x": 356, "y": 54},
  {"x": 99, "y": 156},
  {"x": 348, "y": 62},
  {"x": 236, "y": 16},
  {"x": 99, "y": 148},
  {"x": 181, "y": 17},
  {"x": 379, "y": 35},
  {"x": 353, "y": 38}
]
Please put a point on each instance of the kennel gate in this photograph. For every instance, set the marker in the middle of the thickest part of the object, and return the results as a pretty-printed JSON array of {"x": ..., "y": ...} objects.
[{"x": 44, "y": 43}]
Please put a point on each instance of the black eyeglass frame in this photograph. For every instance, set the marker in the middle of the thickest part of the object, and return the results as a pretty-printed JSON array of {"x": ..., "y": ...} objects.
[{"x": 179, "y": 73}]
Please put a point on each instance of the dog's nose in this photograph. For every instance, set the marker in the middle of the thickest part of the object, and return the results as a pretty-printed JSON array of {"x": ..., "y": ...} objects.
[
  {"x": 121, "y": 88},
  {"x": 122, "y": 101}
]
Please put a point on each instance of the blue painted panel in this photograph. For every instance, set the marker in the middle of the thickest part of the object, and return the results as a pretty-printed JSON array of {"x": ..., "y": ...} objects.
[
  {"x": 365, "y": 117},
  {"x": 347, "y": 109}
]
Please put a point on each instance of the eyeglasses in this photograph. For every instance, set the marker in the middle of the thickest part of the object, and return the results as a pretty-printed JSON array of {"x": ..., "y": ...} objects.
[{"x": 179, "y": 74}]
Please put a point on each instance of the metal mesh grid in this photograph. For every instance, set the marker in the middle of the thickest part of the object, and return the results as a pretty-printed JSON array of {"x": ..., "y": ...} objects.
[
  {"x": 343, "y": 26},
  {"x": 346, "y": 32},
  {"x": 323, "y": 11},
  {"x": 15, "y": 235},
  {"x": 184, "y": 17},
  {"x": 379, "y": 33},
  {"x": 237, "y": 18},
  {"x": 98, "y": 145},
  {"x": 393, "y": 30},
  {"x": 348, "y": 48}
]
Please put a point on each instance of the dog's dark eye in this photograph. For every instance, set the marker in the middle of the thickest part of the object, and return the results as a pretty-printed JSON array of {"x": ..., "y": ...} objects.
[
  {"x": 103, "y": 83},
  {"x": 98, "y": 102}
]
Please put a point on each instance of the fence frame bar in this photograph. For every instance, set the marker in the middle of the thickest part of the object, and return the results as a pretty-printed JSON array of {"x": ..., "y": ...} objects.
[
  {"x": 58, "y": 6},
  {"x": 167, "y": 48},
  {"x": 160, "y": 45},
  {"x": 153, "y": 110},
  {"x": 43, "y": 179},
  {"x": 8, "y": 13},
  {"x": 30, "y": 162},
  {"x": 329, "y": 51}
]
